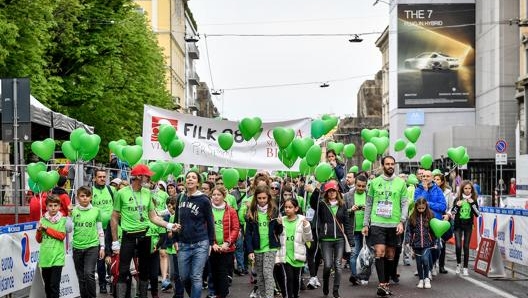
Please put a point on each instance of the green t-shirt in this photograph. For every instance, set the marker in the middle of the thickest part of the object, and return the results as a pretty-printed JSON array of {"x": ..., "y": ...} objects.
[
  {"x": 231, "y": 201},
  {"x": 219, "y": 227},
  {"x": 85, "y": 233},
  {"x": 128, "y": 203},
  {"x": 359, "y": 215},
  {"x": 386, "y": 203},
  {"x": 170, "y": 248},
  {"x": 154, "y": 232},
  {"x": 242, "y": 211},
  {"x": 52, "y": 252},
  {"x": 465, "y": 210},
  {"x": 102, "y": 199},
  {"x": 263, "y": 223},
  {"x": 289, "y": 230},
  {"x": 302, "y": 204},
  {"x": 160, "y": 197}
]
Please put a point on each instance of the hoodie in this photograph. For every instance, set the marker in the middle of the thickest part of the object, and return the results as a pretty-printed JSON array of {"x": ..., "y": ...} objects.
[{"x": 195, "y": 216}]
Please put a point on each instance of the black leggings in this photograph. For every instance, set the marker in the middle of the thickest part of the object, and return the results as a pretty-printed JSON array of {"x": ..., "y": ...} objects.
[{"x": 462, "y": 231}]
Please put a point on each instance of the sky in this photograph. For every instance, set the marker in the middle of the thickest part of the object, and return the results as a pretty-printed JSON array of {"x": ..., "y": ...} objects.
[{"x": 241, "y": 66}]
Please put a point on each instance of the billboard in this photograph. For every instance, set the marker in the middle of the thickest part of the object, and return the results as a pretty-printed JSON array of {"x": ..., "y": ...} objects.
[{"x": 436, "y": 55}]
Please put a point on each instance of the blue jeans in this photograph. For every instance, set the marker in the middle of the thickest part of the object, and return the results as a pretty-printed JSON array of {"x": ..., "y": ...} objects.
[
  {"x": 239, "y": 253},
  {"x": 423, "y": 257},
  {"x": 178, "y": 287},
  {"x": 191, "y": 261},
  {"x": 332, "y": 255},
  {"x": 358, "y": 245}
]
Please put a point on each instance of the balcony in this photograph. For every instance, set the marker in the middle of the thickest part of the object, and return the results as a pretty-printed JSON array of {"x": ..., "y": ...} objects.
[
  {"x": 193, "y": 79},
  {"x": 193, "y": 51}
]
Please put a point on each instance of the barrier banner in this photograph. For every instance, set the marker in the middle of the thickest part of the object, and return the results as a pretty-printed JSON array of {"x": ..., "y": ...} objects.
[
  {"x": 509, "y": 228},
  {"x": 19, "y": 258},
  {"x": 200, "y": 136},
  {"x": 488, "y": 261}
]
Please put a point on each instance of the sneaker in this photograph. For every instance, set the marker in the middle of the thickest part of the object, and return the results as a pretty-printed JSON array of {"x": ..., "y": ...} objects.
[
  {"x": 383, "y": 290},
  {"x": 363, "y": 282},
  {"x": 102, "y": 290},
  {"x": 253, "y": 293},
  {"x": 416, "y": 273},
  {"x": 311, "y": 284},
  {"x": 427, "y": 283},
  {"x": 465, "y": 272},
  {"x": 317, "y": 283},
  {"x": 335, "y": 293},
  {"x": 420, "y": 284},
  {"x": 442, "y": 270},
  {"x": 166, "y": 285},
  {"x": 434, "y": 271},
  {"x": 395, "y": 279},
  {"x": 353, "y": 280},
  {"x": 204, "y": 285},
  {"x": 457, "y": 270}
]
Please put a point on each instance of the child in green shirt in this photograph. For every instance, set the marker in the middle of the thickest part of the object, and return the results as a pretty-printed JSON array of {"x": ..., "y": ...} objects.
[
  {"x": 88, "y": 241},
  {"x": 51, "y": 231}
]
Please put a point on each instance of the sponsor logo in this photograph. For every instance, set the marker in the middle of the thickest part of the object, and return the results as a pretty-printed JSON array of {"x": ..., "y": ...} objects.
[
  {"x": 157, "y": 122},
  {"x": 26, "y": 251}
]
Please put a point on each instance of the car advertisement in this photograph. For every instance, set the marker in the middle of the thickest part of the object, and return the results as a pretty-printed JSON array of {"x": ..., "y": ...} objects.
[{"x": 436, "y": 55}]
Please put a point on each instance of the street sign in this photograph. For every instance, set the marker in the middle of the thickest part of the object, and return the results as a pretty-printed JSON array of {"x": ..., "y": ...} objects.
[
  {"x": 501, "y": 146},
  {"x": 501, "y": 159}
]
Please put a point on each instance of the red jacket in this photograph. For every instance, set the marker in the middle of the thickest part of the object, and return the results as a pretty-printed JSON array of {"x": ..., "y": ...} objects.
[{"x": 231, "y": 227}]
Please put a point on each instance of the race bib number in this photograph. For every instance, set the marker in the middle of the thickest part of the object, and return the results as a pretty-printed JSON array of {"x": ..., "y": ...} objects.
[{"x": 384, "y": 209}]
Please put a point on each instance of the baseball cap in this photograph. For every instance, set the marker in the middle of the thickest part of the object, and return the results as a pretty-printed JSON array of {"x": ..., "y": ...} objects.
[
  {"x": 116, "y": 181},
  {"x": 331, "y": 185},
  {"x": 141, "y": 170}
]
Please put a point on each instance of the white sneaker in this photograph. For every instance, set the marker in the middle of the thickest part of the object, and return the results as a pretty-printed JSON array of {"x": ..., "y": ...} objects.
[
  {"x": 457, "y": 270},
  {"x": 435, "y": 271},
  {"x": 317, "y": 283},
  {"x": 363, "y": 282},
  {"x": 311, "y": 283},
  {"x": 465, "y": 272},
  {"x": 420, "y": 284},
  {"x": 427, "y": 283}
]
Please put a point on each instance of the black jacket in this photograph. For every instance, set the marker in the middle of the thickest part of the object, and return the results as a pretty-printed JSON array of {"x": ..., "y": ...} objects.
[
  {"x": 252, "y": 235},
  {"x": 325, "y": 225}
]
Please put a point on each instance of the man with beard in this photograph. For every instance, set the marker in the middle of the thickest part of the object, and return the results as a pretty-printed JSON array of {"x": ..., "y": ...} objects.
[{"x": 386, "y": 210}]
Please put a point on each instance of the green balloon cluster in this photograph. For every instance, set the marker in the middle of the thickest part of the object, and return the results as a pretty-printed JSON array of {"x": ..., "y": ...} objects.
[
  {"x": 81, "y": 146},
  {"x": 283, "y": 136},
  {"x": 250, "y": 128},
  {"x": 44, "y": 149},
  {"x": 301, "y": 146},
  {"x": 458, "y": 155},
  {"x": 169, "y": 141},
  {"x": 162, "y": 169}
]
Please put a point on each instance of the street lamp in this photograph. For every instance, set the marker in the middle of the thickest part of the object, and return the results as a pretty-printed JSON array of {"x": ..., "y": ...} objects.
[
  {"x": 324, "y": 85},
  {"x": 356, "y": 38},
  {"x": 195, "y": 38}
]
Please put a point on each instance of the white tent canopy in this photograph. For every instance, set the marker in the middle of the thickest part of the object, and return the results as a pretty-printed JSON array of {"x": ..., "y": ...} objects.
[{"x": 42, "y": 115}]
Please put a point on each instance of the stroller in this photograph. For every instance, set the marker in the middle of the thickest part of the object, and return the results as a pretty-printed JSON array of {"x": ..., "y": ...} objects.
[{"x": 114, "y": 271}]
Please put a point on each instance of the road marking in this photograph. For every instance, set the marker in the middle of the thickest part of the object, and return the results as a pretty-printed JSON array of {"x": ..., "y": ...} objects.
[{"x": 484, "y": 285}]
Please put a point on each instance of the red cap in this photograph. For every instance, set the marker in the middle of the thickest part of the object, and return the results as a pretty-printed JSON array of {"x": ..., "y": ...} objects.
[
  {"x": 141, "y": 169},
  {"x": 331, "y": 185}
]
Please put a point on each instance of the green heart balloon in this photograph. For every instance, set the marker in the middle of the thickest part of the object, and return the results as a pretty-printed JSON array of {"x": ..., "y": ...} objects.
[
  {"x": 47, "y": 180},
  {"x": 381, "y": 143},
  {"x": 338, "y": 147},
  {"x": 225, "y": 140},
  {"x": 90, "y": 155},
  {"x": 249, "y": 127},
  {"x": 132, "y": 154},
  {"x": 464, "y": 160},
  {"x": 436, "y": 172},
  {"x": 412, "y": 133},
  {"x": 410, "y": 150},
  {"x": 121, "y": 142},
  {"x": 313, "y": 156},
  {"x": 76, "y": 136},
  {"x": 139, "y": 141},
  {"x": 34, "y": 168},
  {"x": 68, "y": 151},
  {"x": 323, "y": 172},
  {"x": 301, "y": 146},
  {"x": 305, "y": 168},
  {"x": 370, "y": 152},
  {"x": 43, "y": 149},
  {"x": 35, "y": 188},
  {"x": 399, "y": 145},
  {"x": 439, "y": 227},
  {"x": 367, "y": 134},
  {"x": 426, "y": 161},
  {"x": 349, "y": 150},
  {"x": 412, "y": 179},
  {"x": 252, "y": 172},
  {"x": 329, "y": 124},
  {"x": 112, "y": 146},
  {"x": 230, "y": 178},
  {"x": 89, "y": 146},
  {"x": 287, "y": 156},
  {"x": 317, "y": 128},
  {"x": 166, "y": 134},
  {"x": 178, "y": 169},
  {"x": 158, "y": 168},
  {"x": 353, "y": 169},
  {"x": 283, "y": 136},
  {"x": 176, "y": 147},
  {"x": 366, "y": 165},
  {"x": 242, "y": 174},
  {"x": 383, "y": 133},
  {"x": 456, "y": 154}
]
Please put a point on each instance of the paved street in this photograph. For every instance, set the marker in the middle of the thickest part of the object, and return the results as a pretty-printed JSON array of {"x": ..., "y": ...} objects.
[{"x": 444, "y": 285}]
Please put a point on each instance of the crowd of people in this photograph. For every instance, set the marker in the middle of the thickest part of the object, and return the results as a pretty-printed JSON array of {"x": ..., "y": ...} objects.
[{"x": 196, "y": 235}]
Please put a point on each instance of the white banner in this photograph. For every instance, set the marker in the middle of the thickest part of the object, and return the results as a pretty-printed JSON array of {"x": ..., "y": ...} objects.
[
  {"x": 509, "y": 227},
  {"x": 19, "y": 258},
  {"x": 200, "y": 136}
]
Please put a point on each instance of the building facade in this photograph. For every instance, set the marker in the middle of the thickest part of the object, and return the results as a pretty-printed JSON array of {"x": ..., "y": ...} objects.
[{"x": 521, "y": 143}]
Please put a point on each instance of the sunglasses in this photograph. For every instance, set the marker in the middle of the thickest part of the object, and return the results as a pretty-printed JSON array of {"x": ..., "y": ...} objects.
[{"x": 275, "y": 188}]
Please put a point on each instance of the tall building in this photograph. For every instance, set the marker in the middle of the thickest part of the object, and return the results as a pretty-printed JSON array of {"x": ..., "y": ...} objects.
[
  {"x": 453, "y": 64},
  {"x": 383, "y": 44},
  {"x": 169, "y": 20},
  {"x": 521, "y": 143}
]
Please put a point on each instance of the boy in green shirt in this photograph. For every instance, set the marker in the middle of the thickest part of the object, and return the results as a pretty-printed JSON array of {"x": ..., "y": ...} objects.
[
  {"x": 88, "y": 241},
  {"x": 51, "y": 231}
]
